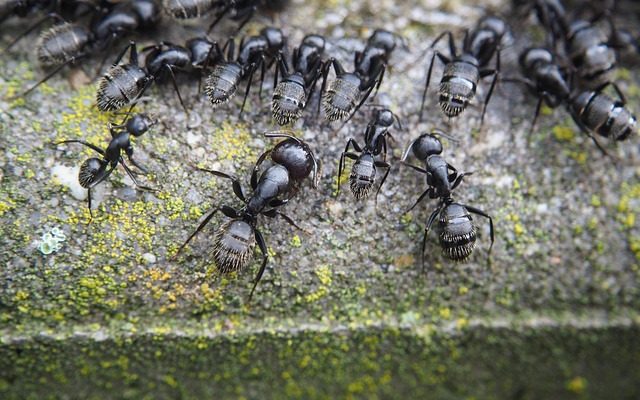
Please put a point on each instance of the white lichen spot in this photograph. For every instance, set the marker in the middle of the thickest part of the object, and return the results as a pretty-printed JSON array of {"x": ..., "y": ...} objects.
[
  {"x": 68, "y": 176},
  {"x": 51, "y": 241}
]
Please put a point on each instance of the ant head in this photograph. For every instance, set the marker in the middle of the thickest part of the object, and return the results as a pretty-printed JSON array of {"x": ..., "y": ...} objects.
[
  {"x": 386, "y": 40},
  {"x": 274, "y": 36},
  {"x": 426, "y": 145},
  {"x": 494, "y": 24},
  {"x": 384, "y": 117},
  {"x": 89, "y": 171},
  {"x": 533, "y": 55},
  {"x": 316, "y": 41},
  {"x": 139, "y": 124}
]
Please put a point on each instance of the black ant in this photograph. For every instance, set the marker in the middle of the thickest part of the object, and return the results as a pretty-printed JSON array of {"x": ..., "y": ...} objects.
[
  {"x": 234, "y": 241},
  {"x": 291, "y": 95},
  {"x": 66, "y": 43},
  {"x": 348, "y": 92},
  {"x": 363, "y": 171},
  {"x": 242, "y": 10},
  {"x": 592, "y": 110},
  {"x": 462, "y": 72},
  {"x": 165, "y": 58},
  {"x": 221, "y": 85},
  {"x": 442, "y": 177},
  {"x": 457, "y": 231},
  {"x": 95, "y": 170}
]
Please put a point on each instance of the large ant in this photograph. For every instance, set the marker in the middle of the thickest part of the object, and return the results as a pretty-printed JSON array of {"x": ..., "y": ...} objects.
[
  {"x": 222, "y": 83},
  {"x": 592, "y": 110},
  {"x": 165, "y": 58},
  {"x": 348, "y": 92},
  {"x": 234, "y": 241},
  {"x": 457, "y": 231},
  {"x": 242, "y": 10},
  {"x": 462, "y": 72},
  {"x": 363, "y": 171},
  {"x": 95, "y": 170},
  {"x": 66, "y": 43},
  {"x": 291, "y": 95}
]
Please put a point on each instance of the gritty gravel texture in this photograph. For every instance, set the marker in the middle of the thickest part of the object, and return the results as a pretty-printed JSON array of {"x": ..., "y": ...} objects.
[{"x": 567, "y": 248}]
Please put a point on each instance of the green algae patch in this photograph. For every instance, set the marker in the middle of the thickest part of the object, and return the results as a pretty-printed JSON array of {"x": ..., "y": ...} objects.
[{"x": 385, "y": 362}]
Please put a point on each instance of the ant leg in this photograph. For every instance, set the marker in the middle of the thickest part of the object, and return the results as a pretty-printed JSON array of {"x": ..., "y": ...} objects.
[
  {"x": 89, "y": 202},
  {"x": 133, "y": 52},
  {"x": 129, "y": 152},
  {"x": 247, "y": 18},
  {"x": 133, "y": 178},
  {"x": 488, "y": 98},
  {"x": 102, "y": 175},
  {"x": 235, "y": 182},
  {"x": 421, "y": 170},
  {"x": 274, "y": 213},
  {"x": 265, "y": 255},
  {"x": 535, "y": 119},
  {"x": 253, "y": 68},
  {"x": 616, "y": 88},
  {"x": 219, "y": 17},
  {"x": 384, "y": 178},
  {"x": 51, "y": 74},
  {"x": 175, "y": 86},
  {"x": 256, "y": 167},
  {"x": 443, "y": 59},
  {"x": 204, "y": 222},
  {"x": 91, "y": 146},
  {"x": 33, "y": 27},
  {"x": 383, "y": 69},
  {"x": 482, "y": 213},
  {"x": 344, "y": 154},
  {"x": 429, "y": 192},
  {"x": 458, "y": 179},
  {"x": 430, "y": 221},
  {"x": 587, "y": 132}
]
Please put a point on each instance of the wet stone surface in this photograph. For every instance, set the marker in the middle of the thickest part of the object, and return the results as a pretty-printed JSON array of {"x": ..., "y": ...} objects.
[{"x": 565, "y": 264}]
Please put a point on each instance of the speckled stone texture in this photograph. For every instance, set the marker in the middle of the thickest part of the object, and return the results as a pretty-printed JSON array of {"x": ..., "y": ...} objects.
[{"x": 343, "y": 310}]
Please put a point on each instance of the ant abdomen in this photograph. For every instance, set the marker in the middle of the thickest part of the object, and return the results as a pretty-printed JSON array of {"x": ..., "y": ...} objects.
[
  {"x": 458, "y": 87},
  {"x": 363, "y": 174},
  {"x": 233, "y": 245},
  {"x": 120, "y": 85},
  {"x": 88, "y": 171},
  {"x": 342, "y": 97},
  {"x": 222, "y": 84},
  {"x": 289, "y": 100},
  {"x": 457, "y": 232},
  {"x": 61, "y": 42}
]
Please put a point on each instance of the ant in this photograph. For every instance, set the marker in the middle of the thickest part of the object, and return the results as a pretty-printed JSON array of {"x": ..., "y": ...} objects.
[
  {"x": 592, "y": 110},
  {"x": 457, "y": 232},
  {"x": 234, "y": 241},
  {"x": 291, "y": 95},
  {"x": 363, "y": 171},
  {"x": 222, "y": 83},
  {"x": 165, "y": 58},
  {"x": 65, "y": 43},
  {"x": 462, "y": 72},
  {"x": 348, "y": 92},
  {"x": 93, "y": 171},
  {"x": 242, "y": 10}
]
